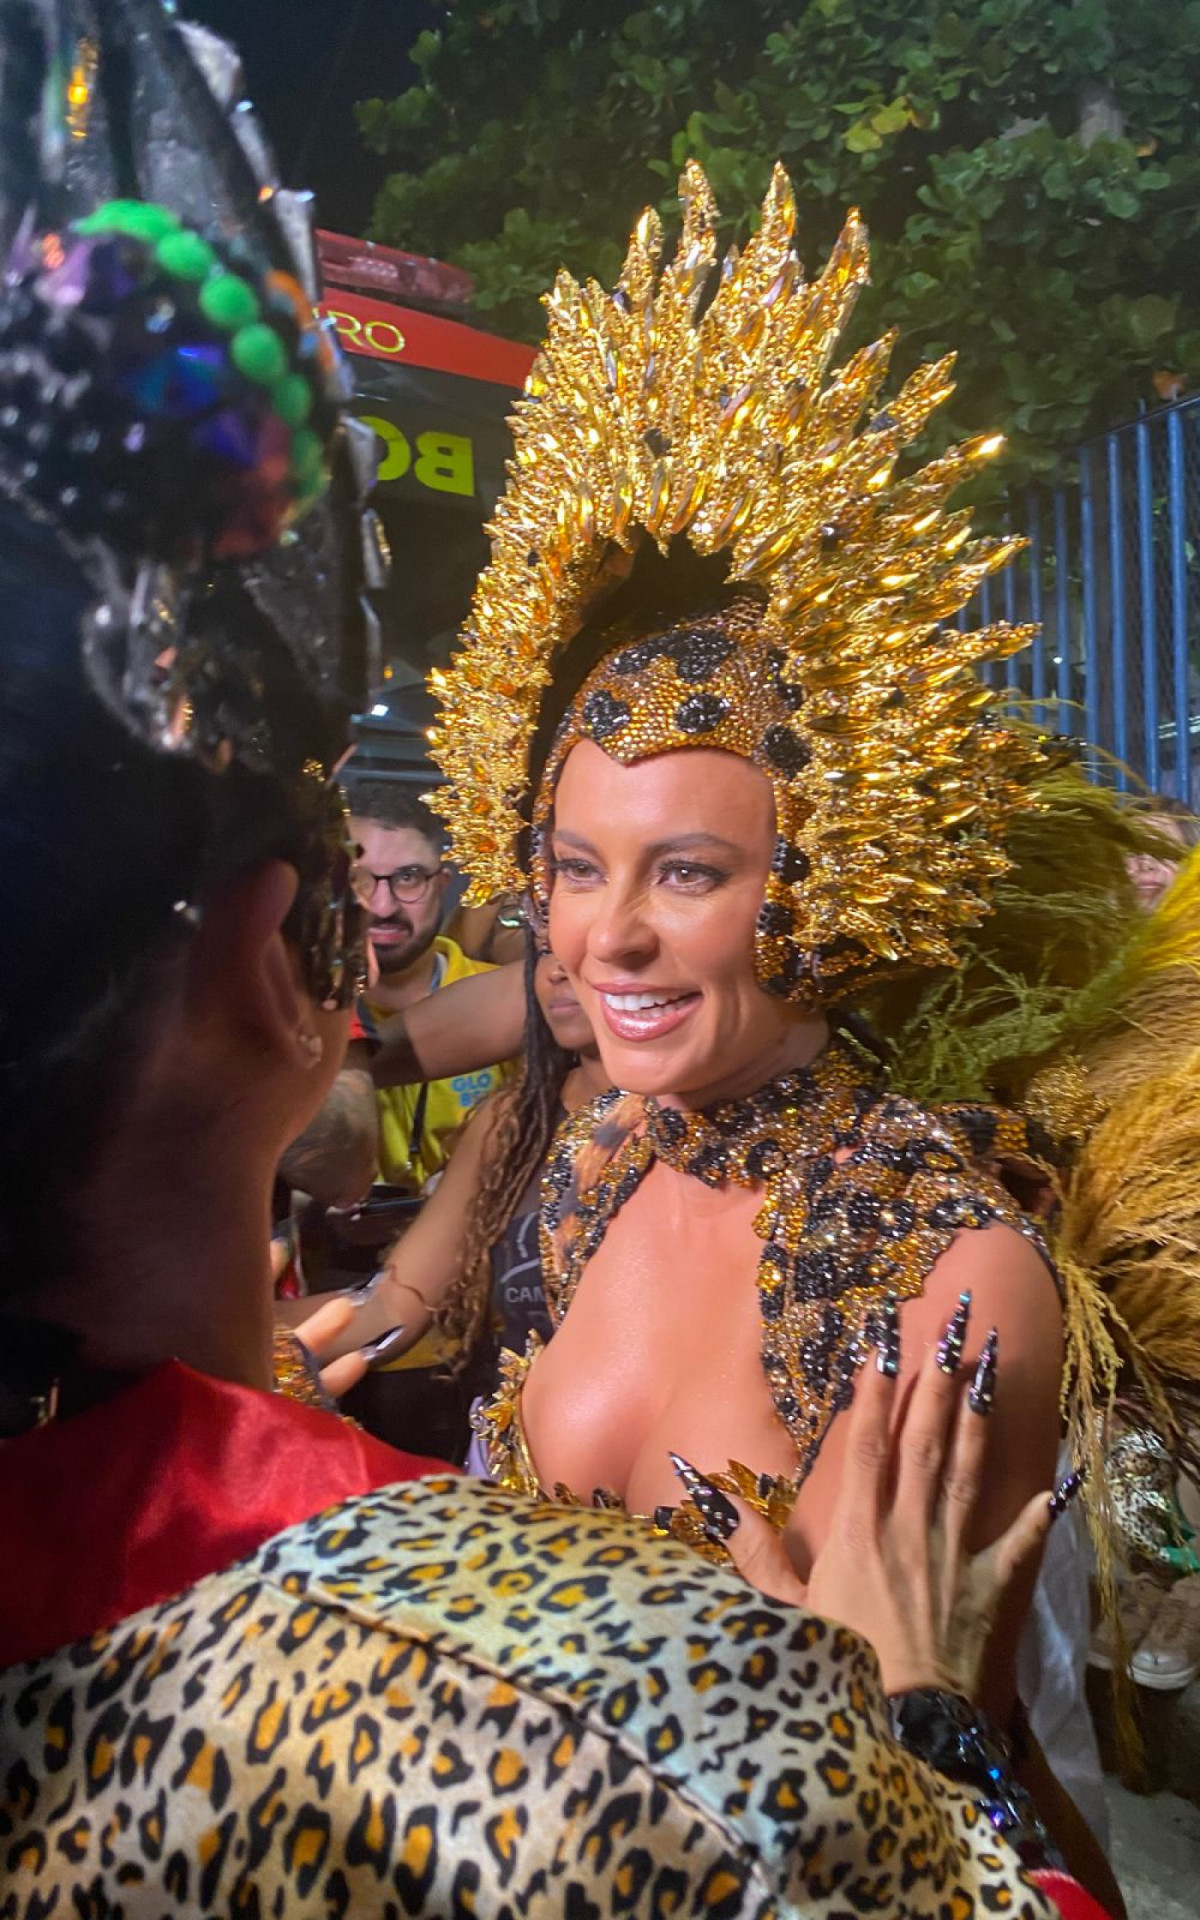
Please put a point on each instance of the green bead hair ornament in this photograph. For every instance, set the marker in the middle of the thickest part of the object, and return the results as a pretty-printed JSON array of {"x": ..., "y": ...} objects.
[{"x": 214, "y": 392}]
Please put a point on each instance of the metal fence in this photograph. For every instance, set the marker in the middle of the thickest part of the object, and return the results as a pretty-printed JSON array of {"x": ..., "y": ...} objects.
[{"x": 1112, "y": 575}]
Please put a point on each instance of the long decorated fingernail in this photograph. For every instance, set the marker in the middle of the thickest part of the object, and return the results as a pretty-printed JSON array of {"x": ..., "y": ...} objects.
[
  {"x": 950, "y": 1346},
  {"x": 983, "y": 1387},
  {"x": 1067, "y": 1490},
  {"x": 720, "y": 1516},
  {"x": 377, "y": 1351},
  {"x": 358, "y": 1296},
  {"x": 887, "y": 1338}
]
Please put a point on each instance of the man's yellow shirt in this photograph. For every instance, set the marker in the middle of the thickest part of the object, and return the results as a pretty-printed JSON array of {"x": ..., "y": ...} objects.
[{"x": 403, "y": 1161}]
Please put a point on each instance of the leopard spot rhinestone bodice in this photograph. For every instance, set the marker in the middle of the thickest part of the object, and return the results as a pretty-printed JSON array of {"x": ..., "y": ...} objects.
[{"x": 861, "y": 1192}]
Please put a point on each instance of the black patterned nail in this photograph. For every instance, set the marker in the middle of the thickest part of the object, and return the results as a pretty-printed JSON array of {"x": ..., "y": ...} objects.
[
  {"x": 950, "y": 1346},
  {"x": 983, "y": 1387},
  {"x": 719, "y": 1515},
  {"x": 887, "y": 1338},
  {"x": 1066, "y": 1491}
]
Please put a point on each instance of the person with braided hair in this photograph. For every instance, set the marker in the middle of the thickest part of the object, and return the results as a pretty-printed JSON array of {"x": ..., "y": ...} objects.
[
  {"x": 469, "y": 1267},
  {"x": 498, "y": 1276}
]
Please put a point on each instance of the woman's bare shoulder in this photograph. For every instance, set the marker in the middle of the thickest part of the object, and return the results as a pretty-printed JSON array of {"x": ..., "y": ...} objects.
[{"x": 1004, "y": 1264}]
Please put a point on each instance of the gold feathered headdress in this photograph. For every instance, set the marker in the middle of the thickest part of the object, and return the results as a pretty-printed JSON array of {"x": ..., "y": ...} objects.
[{"x": 645, "y": 417}]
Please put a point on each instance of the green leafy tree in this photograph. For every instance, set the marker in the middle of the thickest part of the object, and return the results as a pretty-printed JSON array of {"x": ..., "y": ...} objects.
[{"x": 1029, "y": 170}]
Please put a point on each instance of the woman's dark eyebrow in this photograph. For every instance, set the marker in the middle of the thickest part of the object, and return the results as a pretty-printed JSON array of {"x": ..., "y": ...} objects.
[{"x": 678, "y": 843}]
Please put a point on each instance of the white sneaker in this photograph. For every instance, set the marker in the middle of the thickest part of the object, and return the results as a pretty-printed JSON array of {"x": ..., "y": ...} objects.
[
  {"x": 1139, "y": 1600},
  {"x": 1168, "y": 1658}
]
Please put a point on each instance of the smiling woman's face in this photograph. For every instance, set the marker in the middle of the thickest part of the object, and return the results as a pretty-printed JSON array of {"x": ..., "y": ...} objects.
[{"x": 659, "y": 870}]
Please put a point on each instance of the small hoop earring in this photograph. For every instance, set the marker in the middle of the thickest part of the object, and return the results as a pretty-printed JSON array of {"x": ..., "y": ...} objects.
[{"x": 312, "y": 1047}]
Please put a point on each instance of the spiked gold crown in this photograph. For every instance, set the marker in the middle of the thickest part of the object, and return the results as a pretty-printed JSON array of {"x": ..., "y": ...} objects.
[{"x": 643, "y": 417}]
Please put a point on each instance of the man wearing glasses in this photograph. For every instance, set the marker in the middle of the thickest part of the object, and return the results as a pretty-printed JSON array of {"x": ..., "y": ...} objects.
[
  {"x": 398, "y": 1135},
  {"x": 401, "y": 880}
]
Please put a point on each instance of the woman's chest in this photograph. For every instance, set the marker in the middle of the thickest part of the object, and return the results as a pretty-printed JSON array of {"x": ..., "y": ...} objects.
[
  {"x": 673, "y": 1247},
  {"x": 659, "y": 1349}
]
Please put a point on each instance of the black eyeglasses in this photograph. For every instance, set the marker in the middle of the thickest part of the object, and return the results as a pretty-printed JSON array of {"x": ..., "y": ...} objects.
[{"x": 406, "y": 886}]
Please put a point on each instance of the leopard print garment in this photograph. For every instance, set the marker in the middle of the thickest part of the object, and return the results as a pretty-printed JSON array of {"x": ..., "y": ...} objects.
[{"x": 444, "y": 1700}]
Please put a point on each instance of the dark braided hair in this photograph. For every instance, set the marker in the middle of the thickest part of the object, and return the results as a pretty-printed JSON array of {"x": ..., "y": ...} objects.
[{"x": 522, "y": 1119}]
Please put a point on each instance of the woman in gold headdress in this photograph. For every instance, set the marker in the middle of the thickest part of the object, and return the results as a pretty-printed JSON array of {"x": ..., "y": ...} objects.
[
  {"x": 258, "y": 1662},
  {"x": 709, "y": 667}
]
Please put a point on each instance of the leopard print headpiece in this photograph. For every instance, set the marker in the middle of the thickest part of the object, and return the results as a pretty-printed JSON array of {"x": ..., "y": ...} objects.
[{"x": 710, "y": 682}]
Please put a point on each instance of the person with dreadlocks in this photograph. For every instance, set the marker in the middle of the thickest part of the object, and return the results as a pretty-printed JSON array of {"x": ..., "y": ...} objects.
[
  {"x": 470, "y": 1266},
  {"x": 251, "y": 1661}
]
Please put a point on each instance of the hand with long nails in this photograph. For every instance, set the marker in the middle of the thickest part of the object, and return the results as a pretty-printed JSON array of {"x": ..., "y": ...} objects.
[
  {"x": 322, "y": 1330},
  {"x": 895, "y": 1563}
]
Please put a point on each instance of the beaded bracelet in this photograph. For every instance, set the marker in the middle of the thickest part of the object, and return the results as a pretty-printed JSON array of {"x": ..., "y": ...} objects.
[{"x": 962, "y": 1744}]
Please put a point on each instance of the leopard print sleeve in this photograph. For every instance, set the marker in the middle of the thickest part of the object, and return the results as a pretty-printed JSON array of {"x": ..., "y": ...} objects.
[{"x": 443, "y": 1700}]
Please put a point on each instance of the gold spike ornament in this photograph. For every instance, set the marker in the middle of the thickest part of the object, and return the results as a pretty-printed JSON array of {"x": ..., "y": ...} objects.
[{"x": 643, "y": 419}]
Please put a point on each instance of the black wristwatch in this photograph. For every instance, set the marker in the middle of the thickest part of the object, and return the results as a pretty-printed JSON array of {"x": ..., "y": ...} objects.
[{"x": 961, "y": 1743}]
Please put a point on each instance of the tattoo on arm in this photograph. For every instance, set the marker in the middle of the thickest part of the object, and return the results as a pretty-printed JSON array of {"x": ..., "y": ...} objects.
[{"x": 334, "y": 1158}]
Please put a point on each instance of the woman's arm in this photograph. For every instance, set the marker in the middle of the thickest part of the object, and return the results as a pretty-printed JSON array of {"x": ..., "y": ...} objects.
[
  {"x": 1013, "y": 1291},
  {"x": 469, "y": 1025},
  {"x": 419, "y": 1268},
  {"x": 478, "y": 931}
]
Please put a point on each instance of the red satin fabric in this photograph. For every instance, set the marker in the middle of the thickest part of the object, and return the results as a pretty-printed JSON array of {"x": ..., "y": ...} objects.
[
  {"x": 1072, "y": 1900},
  {"x": 177, "y": 1477}
]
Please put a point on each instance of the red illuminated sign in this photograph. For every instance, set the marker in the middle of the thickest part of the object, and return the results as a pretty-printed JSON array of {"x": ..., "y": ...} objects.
[{"x": 408, "y": 338}]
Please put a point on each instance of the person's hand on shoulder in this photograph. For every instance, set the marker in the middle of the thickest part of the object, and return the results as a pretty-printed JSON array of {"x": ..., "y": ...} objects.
[{"x": 895, "y": 1566}]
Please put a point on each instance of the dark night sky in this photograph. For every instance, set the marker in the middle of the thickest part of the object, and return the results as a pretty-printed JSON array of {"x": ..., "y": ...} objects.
[{"x": 308, "y": 61}]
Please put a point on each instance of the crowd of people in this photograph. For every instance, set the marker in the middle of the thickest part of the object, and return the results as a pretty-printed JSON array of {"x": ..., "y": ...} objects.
[{"x": 576, "y": 1400}]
